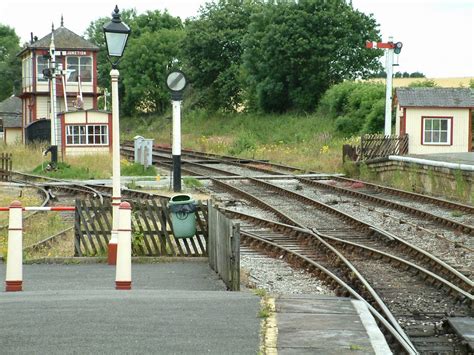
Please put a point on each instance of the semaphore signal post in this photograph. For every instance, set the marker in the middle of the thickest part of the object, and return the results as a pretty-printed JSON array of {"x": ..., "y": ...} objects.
[{"x": 390, "y": 49}]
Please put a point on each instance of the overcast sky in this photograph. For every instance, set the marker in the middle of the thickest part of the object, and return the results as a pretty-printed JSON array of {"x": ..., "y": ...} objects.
[{"x": 437, "y": 35}]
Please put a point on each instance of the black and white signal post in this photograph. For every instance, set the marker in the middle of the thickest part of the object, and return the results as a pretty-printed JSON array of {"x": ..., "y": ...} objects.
[{"x": 176, "y": 83}]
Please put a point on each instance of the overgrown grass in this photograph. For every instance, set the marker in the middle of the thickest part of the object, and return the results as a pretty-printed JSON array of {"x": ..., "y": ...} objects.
[
  {"x": 307, "y": 142},
  {"x": 192, "y": 182},
  {"x": 135, "y": 169},
  {"x": 66, "y": 171},
  {"x": 35, "y": 229},
  {"x": 25, "y": 158}
]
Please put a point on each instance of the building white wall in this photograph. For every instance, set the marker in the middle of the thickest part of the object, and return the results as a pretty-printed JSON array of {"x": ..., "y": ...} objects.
[
  {"x": 70, "y": 151},
  {"x": 13, "y": 135},
  {"x": 460, "y": 129}
]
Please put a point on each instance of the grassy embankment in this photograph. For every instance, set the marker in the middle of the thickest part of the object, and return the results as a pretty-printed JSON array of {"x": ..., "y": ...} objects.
[{"x": 306, "y": 142}]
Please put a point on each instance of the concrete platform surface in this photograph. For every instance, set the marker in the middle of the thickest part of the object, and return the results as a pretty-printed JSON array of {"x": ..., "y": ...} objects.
[
  {"x": 457, "y": 158},
  {"x": 464, "y": 327},
  {"x": 326, "y": 325},
  {"x": 173, "y": 308}
]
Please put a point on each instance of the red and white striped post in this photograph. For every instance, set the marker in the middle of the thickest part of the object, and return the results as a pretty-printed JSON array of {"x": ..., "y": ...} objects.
[
  {"x": 123, "y": 271},
  {"x": 14, "y": 277}
]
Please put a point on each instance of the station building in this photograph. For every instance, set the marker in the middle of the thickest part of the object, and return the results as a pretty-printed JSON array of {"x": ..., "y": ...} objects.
[
  {"x": 437, "y": 120},
  {"x": 80, "y": 126}
]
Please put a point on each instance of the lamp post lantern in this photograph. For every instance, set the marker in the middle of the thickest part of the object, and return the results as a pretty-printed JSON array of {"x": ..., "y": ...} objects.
[
  {"x": 176, "y": 83},
  {"x": 116, "y": 35}
]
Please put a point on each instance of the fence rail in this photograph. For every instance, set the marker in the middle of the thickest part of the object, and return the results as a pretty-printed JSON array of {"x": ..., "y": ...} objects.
[
  {"x": 224, "y": 247},
  {"x": 376, "y": 146},
  {"x": 151, "y": 229},
  {"x": 5, "y": 167}
]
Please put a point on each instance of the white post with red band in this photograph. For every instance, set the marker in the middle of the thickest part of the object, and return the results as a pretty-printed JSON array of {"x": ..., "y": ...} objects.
[
  {"x": 123, "y": 271},
  {"x": 389, "y": 47},
  {"x": 116, "y": 193},
  {"x": 14, "y": 277}
]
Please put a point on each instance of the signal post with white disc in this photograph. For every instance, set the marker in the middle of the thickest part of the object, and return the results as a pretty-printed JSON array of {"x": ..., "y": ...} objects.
[{"x": 176, "y": 83}]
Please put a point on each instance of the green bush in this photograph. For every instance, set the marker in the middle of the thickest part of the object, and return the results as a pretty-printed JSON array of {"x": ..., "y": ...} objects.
[
  {"x": 348, "y": 126},
  {"x": 356, "y": 107}
]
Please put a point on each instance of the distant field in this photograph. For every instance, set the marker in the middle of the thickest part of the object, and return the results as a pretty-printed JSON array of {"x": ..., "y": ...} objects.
[{"x": 441, "y": 82}]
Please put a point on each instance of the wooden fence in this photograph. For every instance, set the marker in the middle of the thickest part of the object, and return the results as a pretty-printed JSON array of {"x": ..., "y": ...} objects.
[
  {"x": 224, "y": 247},
  {"x": 376, "y": 146},
  {"x": 5, "y": 167},
  {"x": 151, "y": 229}
]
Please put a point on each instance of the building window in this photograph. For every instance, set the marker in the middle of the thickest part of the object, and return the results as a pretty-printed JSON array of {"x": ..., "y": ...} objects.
[
  {"x": 27, "y": 72},
  {"x": 79, "y": 67},
  {"x": 437, "y": 130},
  {"x": 42, "y": 63},
  {"x": 87, "y": 135}
]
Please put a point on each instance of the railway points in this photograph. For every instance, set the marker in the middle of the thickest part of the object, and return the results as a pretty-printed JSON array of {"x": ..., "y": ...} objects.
[{"x": 442, "y": 256}]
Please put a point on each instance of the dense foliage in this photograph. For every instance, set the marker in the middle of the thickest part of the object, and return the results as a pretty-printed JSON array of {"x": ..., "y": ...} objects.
[
  {"x": 355, "y": 107},
  {"x": 153, "y": 44},
  {"x": 244, "y": 54},
  {"x": 212, "y": 52},
  {"x": 294, "y": 51},
  {"x": 10, "y": 65}
]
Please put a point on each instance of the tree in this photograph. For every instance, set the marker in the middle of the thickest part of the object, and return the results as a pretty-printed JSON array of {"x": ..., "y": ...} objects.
[
  {"x": 145, "y": 67},
  {"x": 417, "y": 74},
  {"x": 427, "y": 83},
  {"x": 10, "y": 65},
  {"x": 212, "y": 51},
  {"x": 95, "y": 34},
  {"x": 294, "y": 51},
  {"x": 153, "y": 43}
]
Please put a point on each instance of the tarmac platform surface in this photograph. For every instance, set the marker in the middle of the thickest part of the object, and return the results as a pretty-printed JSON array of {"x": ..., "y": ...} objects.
[{"x": 173, "y": 308}]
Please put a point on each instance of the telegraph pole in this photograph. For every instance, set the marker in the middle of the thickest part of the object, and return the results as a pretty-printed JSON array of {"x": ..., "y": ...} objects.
[{"x": 390, "y": 49}]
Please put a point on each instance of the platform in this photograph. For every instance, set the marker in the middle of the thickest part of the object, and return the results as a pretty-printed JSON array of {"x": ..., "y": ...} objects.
[
  {"x": 462, "y": 161},
  {"x": 464, "y": 327},
  {"x": 326, "y": 325},
  {"x": 456, "y": 158},
  {"x": 173, "y": 308}
]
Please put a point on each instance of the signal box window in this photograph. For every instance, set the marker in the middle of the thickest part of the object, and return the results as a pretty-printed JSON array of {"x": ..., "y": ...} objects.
[
  {"x": 79, "y": 67},
  {"x": 87, "y": 135},
  {"x": 437, "y": 131},
  {"x": 42, "y": 63}
]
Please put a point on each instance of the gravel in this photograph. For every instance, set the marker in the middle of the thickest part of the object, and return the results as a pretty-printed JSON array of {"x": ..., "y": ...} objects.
[{"x": 277, "y": 277}]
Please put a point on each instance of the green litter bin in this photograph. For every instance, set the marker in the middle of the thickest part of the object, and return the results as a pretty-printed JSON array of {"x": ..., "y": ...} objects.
[{"x": 183, "y": 216}]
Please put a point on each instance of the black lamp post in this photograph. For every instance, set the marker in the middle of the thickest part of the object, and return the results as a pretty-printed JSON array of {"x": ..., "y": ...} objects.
[{"x": 116, "y": 35}]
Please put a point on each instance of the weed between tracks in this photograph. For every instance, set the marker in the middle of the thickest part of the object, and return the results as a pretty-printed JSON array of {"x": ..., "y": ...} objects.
[{"x": 35, "y": 229}]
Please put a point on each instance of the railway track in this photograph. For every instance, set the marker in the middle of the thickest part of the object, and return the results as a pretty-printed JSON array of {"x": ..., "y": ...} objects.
[
  {"x": 419, "y": 289},
  {"x": 409, "y": 222},
  {"x": 400, "y": 293},
  {"x": 60, "y": 192}
]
